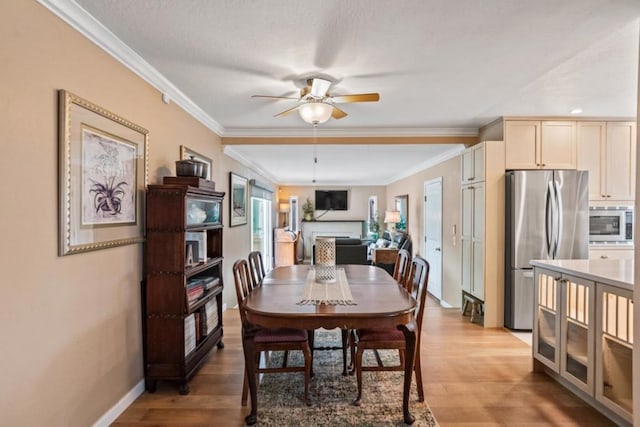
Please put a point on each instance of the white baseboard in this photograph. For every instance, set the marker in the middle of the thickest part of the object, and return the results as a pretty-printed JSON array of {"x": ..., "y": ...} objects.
[
  {"x": 116, "y": 410},
  {"x": 445, "y": 304}
]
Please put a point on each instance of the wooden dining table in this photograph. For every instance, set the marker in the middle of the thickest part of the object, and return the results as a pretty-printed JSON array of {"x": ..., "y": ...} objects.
[{"x": 379, "y": 303}]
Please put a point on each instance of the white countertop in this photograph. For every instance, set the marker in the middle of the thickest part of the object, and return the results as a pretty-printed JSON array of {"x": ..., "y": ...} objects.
[{"x": 615, "y": 272}]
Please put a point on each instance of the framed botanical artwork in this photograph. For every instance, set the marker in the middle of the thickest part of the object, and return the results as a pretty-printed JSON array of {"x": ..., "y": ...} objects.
[
  {"x": 102, "y": 177},
  {"x": 238, "y": 201},
  {"x": 187, "y": 153}
]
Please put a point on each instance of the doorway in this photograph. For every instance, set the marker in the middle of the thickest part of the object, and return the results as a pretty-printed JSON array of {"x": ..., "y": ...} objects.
[
  {"x": 261, "y": 237},
  {"x": 433, "y": 234}
]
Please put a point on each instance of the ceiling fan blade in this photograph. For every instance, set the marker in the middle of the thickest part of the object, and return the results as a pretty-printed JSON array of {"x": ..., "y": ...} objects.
[
  {"x": 287, "y": 112},
  {"x": 274, "y": 97},
  {"x": 361, "y": 97},
  {"x": 337, "y": 113},
  {"x": 319, "y": 87}
]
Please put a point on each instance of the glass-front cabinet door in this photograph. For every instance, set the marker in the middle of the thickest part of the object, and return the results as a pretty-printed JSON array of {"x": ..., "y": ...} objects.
[
  {"x": 203, "y": 211},
  {"x": 614, "y": 350},
  {"x": 577, "y": 329},
  {"x": 546, "y": 328}
]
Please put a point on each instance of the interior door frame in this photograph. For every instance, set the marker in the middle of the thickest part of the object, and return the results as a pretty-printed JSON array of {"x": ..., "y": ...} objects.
[
  {"x": 267, "y": 250},
  {"x": 424, "y": 225}
]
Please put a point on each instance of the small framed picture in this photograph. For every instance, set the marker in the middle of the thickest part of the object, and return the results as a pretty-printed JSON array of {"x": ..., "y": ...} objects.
[{"x": 238, "y": 200}]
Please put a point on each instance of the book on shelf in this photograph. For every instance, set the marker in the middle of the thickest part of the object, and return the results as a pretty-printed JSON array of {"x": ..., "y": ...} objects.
[
  {"x": 199, "y": 255},
  {"x": 189, "y": 334},
  {"x": 210, "y": 320},
  {"x": 210, "y": 281}
]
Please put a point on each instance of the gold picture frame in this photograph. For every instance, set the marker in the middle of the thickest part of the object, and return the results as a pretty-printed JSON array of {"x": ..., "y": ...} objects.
[
  {"x": 187, "y": 153},
  {"x": 103, "y": 174}
]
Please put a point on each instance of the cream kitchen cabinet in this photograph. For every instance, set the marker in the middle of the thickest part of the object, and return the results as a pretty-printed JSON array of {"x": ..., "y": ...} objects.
[
  {"x": 613, "y": 252},
  {"x": 563, "y": 332},
  {"x": 614, "y": 350},
  {"x": 536, "y": 144},
  {"x": 482, "y": 214},
  {"x": 472, "y": 239},
  {"x": 607, "y": 150},
  {"x": 473, "y": 164},
  {"x": 583, "y": 330}
]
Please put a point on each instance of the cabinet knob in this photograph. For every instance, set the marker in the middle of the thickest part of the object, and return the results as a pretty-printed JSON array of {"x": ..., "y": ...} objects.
[
  {"x": 603, "y": 195},
  {"x": 544, "y": 164},
  {"x": 608, "y": 195},
  {"x": 471, "y": 178},
  {"x": 604, "y": 256}
]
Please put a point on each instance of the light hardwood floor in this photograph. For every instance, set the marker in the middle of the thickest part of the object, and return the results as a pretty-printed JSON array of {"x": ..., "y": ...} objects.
[{"x": 473, "y": 377}]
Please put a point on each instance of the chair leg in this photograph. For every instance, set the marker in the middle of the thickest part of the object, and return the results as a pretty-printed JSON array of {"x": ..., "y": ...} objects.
[
  {"x": 311, "y": 337},
  {"x": 418, "y": 370},
  {"x": 352, "y": 347},
  {"x": 345, "y": 343},
  {"x": 307, "y": 352},
  {"x": 359, "y": 375},
  {"x": 245, "y": 389}
]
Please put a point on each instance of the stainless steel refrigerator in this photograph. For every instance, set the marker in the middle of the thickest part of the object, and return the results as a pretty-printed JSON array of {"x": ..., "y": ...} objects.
[{"x": 546, "y": 217}]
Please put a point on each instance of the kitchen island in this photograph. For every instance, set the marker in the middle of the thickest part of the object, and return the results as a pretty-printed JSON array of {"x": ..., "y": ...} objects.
[{"x": 583, "y": 330}]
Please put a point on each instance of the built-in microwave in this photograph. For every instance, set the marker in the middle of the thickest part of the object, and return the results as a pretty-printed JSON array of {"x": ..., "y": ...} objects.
[{"x": 611, "y": 224}]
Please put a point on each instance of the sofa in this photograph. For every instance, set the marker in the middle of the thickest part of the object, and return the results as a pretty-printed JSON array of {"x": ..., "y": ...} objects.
[{"x": 349, "y": 251}]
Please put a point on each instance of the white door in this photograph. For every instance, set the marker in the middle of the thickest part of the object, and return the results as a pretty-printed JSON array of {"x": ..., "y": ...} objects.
[{"x": 433, "y": 234}]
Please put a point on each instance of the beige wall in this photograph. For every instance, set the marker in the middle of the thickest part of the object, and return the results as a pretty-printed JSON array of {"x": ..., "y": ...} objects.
[
  {"x": 237, "y": 240},
  {"x": 358, "y": 200},
  {"x": 414, "y": 187},
  {"x": 71, "y": 326}
]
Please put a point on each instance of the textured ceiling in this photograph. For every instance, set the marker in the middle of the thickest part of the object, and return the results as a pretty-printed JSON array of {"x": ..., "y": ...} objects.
[{"x": 439, "y": 66}]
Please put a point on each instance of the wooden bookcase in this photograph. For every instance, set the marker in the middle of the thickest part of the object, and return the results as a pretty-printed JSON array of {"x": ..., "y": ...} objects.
[{"x": 182, "y": 293}]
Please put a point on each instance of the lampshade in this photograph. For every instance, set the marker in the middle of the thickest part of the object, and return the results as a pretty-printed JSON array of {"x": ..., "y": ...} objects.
[
  {"x": 284, "y": 207},
  {"x": 391, "y": 217},
  {"x": 315, "y": 112}
]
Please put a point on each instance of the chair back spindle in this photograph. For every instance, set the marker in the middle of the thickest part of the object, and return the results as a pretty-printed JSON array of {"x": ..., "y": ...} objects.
[
  {"x": 243, "y": 282},
  {"x": 256, "y": 266},
  {"x": 401, "y": 269}
]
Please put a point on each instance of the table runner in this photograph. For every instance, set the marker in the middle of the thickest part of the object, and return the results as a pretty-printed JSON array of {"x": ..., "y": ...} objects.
[{"x": 337, "y": 293}]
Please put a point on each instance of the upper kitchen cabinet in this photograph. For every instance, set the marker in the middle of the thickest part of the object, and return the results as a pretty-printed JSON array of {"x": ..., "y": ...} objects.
[
  {"x": 607, "y": 150},
  {"x": 536, "y": 144},
  {"x": 473, "y": 164}
]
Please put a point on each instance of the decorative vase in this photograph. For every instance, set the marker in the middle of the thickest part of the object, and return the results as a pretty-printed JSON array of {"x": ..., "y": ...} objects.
[
  {"x": 308, "y": 217},
  {"x": 325, "y": 259}
]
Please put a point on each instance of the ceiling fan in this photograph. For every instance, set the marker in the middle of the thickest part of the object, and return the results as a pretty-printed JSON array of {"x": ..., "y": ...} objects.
[{"x": 316, "y": 105}]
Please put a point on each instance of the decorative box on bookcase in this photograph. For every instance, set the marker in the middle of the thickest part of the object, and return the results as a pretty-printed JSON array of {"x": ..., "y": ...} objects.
[{"x": 182, "y": 293}]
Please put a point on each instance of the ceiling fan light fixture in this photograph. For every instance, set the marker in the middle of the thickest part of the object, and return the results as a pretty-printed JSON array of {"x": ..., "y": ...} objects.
[{"x": 315, "y": 112}]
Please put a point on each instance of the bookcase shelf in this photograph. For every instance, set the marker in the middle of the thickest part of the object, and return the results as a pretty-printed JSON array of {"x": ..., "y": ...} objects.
[{"x": 182, "y": 291}]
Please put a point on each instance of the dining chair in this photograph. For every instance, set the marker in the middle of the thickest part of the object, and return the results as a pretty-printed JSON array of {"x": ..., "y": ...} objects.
[
  {"x": 256, "y": 267},
  {"x": 392, "y": 338},
  {"x": 280, "y": 339},
  {"x": 401, "y": 269}
]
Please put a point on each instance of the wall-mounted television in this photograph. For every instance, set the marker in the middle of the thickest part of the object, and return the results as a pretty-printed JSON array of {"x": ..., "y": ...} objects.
[{"x": 332, "y": 200}]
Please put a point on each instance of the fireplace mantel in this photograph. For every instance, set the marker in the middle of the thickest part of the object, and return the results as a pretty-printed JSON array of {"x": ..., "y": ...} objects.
[{"x": 330, "y": 228}]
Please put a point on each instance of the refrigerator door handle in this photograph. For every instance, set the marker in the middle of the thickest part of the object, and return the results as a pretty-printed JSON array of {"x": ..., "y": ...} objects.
[
  {"x": 558, "y": 209},
  {"x": 548, "y": 220}
]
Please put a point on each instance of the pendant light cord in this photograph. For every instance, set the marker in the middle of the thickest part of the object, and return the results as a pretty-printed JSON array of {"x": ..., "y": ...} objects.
[{"x": 315, "y": 151}]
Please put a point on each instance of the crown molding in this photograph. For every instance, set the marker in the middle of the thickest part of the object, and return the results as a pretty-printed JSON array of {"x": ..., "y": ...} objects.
[
  {"x": 453, "y": 152},
  {"x": 229, "y": 151},
  {"x": 347, "y": 132},
  {"x": 80, "y": 20}
]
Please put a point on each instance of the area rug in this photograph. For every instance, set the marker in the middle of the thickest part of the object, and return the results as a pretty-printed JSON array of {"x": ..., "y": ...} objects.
[{"x": 280, "y": 395}]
